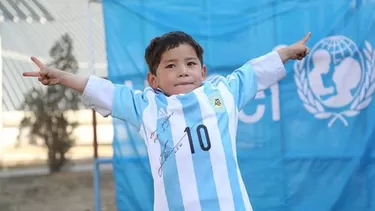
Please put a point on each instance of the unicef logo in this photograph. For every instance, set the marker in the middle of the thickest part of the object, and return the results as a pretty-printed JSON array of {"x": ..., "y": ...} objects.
[{"x": 336, "y": 80}]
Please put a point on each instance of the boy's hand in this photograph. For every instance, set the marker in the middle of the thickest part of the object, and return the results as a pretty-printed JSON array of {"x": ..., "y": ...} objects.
[
  {"x": 52, "y": 76},
  {"x": 46, "y": 75},
  {"x": 296, "y": 51}
]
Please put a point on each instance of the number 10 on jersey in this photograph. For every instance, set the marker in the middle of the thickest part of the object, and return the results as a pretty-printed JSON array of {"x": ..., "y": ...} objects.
[{"x": 203, "y": 138}]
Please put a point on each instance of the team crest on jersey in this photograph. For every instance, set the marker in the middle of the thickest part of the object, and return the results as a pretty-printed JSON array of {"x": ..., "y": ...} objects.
[
  {"x": 337, "y": 79},
  {"x": 217, "y": 103}
]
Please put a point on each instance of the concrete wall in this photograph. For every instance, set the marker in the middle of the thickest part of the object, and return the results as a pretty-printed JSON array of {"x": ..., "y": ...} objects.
[{"x": 83, "y": 133}]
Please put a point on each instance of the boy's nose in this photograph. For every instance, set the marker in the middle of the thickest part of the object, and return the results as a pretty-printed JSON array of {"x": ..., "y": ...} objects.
[{"x": 183, "y": 73}]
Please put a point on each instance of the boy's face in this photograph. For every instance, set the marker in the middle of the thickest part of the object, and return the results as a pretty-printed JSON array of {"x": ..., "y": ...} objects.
[{"x": 179, "y": 71}]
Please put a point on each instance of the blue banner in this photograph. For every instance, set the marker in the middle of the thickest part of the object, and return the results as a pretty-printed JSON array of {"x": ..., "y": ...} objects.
[{"x": 307, "y": 143}]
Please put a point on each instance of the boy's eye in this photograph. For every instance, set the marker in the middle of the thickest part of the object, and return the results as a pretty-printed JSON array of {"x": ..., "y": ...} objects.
[
  {"x": 191, "y": 63},
  {"x": 170, "y": 66}
]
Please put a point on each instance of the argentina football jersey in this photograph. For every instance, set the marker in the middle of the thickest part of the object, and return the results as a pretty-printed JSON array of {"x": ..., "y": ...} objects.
[{"x": 191, "y": 138}]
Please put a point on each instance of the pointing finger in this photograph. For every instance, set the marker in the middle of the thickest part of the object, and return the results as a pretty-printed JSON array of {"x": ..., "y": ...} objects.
[
  {"x": 306, "y": 38},
  {"x": 37, "y": 62},
  {"x": 31, "y": 74}
]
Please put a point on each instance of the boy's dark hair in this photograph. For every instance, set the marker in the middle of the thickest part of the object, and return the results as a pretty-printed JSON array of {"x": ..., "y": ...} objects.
[{"x": 168, "y": 41}]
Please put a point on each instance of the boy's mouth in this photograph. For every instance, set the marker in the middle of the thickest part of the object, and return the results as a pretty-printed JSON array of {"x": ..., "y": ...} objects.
[{"x": 183, "y": 83}]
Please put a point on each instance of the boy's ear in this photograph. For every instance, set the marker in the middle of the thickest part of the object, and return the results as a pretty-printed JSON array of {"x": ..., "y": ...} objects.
[
  {"x": 204, "y": 72},
  {"x": 152, "y": 80}
]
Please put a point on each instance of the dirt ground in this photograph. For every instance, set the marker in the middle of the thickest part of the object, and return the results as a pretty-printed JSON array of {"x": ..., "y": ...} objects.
[
  {"x": 60, "y": 192},
  {"x": 28, "y": 156}
]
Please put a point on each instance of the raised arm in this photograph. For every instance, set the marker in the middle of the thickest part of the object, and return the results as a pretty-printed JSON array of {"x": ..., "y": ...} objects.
[
  {"x": 100, "y": 94},
  {"x": 51, "y": 76},
  {"x": 296, "y": 51},
  {"x": 97, "y": 92},
  {"x": 269, "y": 69},
  {"x": 119, "y": 101},
  {"x": 263, "y": 72}
]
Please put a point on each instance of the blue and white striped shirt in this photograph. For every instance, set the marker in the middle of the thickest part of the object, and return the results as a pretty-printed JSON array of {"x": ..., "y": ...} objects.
[{"x": 191, "y": 138}]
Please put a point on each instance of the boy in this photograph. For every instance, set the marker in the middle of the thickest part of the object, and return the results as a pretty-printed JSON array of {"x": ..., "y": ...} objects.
[{"x": 188, "y": 124}]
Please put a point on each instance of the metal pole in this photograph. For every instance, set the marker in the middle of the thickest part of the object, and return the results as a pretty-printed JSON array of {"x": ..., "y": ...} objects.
[
  {"x": 91, "y": 66},
  {"x": 95, "y": 144},
  {"x": 1, "y": 92},
  {"x": 96, "y": 170}
]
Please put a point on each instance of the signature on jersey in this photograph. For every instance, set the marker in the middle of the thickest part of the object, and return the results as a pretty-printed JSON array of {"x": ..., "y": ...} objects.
[
  {"x": 167, "y": 152},
  {"x": 154, "y": 136}
]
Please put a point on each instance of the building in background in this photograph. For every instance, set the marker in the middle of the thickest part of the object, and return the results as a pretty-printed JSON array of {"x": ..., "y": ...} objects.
[{"x": 30, "y": 28}]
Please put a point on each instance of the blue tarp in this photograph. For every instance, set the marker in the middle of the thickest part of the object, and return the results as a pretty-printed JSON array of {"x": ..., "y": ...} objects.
[{"x": 305, "y": 144}]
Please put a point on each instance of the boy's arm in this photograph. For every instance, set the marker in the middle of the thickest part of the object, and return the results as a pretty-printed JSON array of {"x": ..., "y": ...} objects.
[
  {"x": 52, "y": 76},
  {"x": 269, "y": 69},
  {"x": 119, "y": 101},
  {"x": 100, "y": 94},
  {"x": 97, "y": 92},
  {"x": 263, "y": 72}
]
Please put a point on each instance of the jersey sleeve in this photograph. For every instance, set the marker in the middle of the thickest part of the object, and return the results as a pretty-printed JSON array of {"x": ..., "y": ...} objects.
[
  {"x": 98, "y": 95},
  {"x": 256, "y": 75},
  {"x": 269, "y": 69},
  {"x": 128, "y": 105},
  {"x": 119, "y": 101}
]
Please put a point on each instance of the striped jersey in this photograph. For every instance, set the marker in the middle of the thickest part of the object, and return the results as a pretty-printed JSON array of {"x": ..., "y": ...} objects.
[{"x": 191, "y": 138}]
